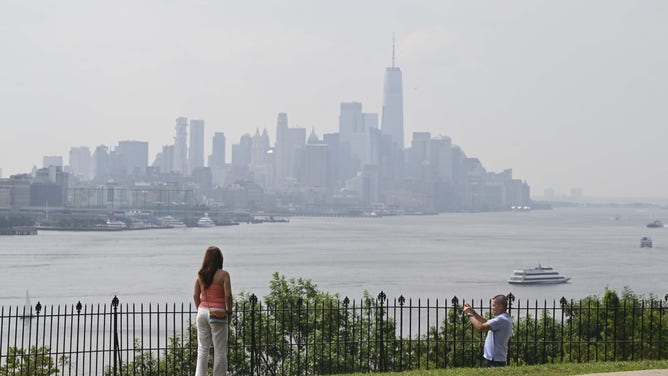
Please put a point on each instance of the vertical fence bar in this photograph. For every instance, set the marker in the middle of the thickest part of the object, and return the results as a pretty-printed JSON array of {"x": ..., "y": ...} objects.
[
  {"x": 402, "y": 300},
  {"x": 114, "y": 305},
  {"x": 642, "y": 329},
  {"x": 253, "y": 302},
  {"x": 454, "y": 331}
]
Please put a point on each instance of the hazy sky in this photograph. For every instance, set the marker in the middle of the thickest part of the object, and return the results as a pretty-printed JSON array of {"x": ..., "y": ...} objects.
[{"x": 566, "y": 93}]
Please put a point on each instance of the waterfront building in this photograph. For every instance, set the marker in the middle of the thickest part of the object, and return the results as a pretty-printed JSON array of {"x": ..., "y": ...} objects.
[
  {"x": 15, "y": 191},
  {"x": 196, "y": 148}
]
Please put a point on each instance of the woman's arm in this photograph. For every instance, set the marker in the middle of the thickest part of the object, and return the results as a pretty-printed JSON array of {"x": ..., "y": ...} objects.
[
  {"x": 227, "y": 285},
  {"x": 196, "y": 293}
]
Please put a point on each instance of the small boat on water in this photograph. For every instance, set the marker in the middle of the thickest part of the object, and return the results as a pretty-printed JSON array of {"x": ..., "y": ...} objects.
[
  {"x": 171, "y": 222},
  {"x": 206, "y": 221},
  {"x": 111, "y": 225},
  {"x": 655, "y": 224},
  {"x": 540, "y": 275},
  {"x": 645, "y": 242}
]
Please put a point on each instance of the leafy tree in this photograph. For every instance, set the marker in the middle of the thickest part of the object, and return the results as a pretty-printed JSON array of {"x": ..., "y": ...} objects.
[{"x": 31, "y": 363}]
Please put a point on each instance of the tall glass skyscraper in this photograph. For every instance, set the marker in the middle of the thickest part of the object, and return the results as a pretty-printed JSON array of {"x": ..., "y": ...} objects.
[{"x": 393, "y": 105}]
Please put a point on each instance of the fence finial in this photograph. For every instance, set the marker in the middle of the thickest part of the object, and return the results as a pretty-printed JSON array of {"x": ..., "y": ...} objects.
[
  {"x": 402, "y": 300},
  {"x": 38, "y": 307},
  {"x": 346, "y": 301},
  {"x": 114, "y": 302},
  {"x": 382, "y": 296},
  {"x": 79, "y": 306}
]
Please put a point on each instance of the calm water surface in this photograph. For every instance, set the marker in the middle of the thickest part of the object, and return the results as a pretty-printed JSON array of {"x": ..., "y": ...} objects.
[{"x": 437, "y": 257}]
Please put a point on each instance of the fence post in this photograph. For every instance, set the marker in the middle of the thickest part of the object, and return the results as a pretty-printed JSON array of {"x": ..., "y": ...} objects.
[
  {"x": 253, "y": 302},
  {"x": 402, "y": 301},
  {"x": 455, "y": 305},
  {"x": 381, "y": 299},
  {"x": 511, "y": 299},
  {"x": 563, "y": 302},
  {"x": 300, "y": 301},
  {"x": 117, "y": 353},
  {"x": 346, "y": 349}
]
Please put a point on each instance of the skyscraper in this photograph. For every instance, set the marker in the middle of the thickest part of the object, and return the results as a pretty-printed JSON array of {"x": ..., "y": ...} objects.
[
  {"x": 80, "y": 165},
  {"x": 217, "y": 158},
  {"x": 181, "y": 146},
  {"x": 393, "y": 105},
  {"x": 196, "y": 149},
  {"x": 134, "y": 155}
]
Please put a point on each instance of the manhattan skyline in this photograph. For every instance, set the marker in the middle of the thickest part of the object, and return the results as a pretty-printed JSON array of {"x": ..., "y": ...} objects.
[{"x": 566, "y": 94}]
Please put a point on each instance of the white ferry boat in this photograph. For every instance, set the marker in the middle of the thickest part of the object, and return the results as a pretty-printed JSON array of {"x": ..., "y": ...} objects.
[
  {"x": 206, "y": 221},
  {"x": 540, "y": 275},
  {"x": 111, "y": 225},
  {"x": 171, "y": 222}
]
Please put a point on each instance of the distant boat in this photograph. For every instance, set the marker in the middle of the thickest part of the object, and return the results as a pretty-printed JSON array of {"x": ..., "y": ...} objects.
[
  {"x": 111, "y": 225},
  {"x": 206, "y": 221},
  {"x": 171, "y": 222},
  {"x": 540, "y": 275},
  {"x": 655, "y": 224},
  {"x": 646, "y": 242}
]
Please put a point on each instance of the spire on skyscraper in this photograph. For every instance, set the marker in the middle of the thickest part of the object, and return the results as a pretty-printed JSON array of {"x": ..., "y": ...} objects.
[{"x": 393, "y": 106}]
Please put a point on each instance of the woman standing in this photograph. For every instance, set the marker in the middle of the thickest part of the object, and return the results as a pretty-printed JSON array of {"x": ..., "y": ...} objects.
[{"x": 213, "y": 296}]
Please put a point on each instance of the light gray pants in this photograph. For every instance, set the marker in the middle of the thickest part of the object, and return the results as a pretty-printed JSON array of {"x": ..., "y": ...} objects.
[{"x": 208, "y": 334}]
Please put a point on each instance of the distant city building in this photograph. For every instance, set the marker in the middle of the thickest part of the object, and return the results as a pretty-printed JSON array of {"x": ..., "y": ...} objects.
[
  {"x": 101, "y": 164},
  {"x": 196, "y": 150},
  {"x": 217, "y": 157},
  {"x": 80, "y": 165},
  {"x": 393, "y": 105},
  {"x": 241, "y": 152},
  {"x": 315, "y": 166},
  {"x": 166, "y": 160},
  {"x": 133, "y": 156},
  {"x": 52, "y": 160},
  {"x": 288, "y": 152},
  {"x": 180, "y": 157},
  {"x": 259, "y": 147},
  {"x": 358, "y": 142}
]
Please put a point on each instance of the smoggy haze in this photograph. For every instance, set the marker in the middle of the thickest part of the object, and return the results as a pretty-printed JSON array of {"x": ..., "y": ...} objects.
[{"x": 567, "y": 93}]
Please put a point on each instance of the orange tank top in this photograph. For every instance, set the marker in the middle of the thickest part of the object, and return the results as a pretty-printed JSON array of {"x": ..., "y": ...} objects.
[{"x": 212, "y": 297}]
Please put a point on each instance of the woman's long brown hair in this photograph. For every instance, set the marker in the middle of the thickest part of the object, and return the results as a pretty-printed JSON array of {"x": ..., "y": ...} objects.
[{"x": 213, "y": 260}]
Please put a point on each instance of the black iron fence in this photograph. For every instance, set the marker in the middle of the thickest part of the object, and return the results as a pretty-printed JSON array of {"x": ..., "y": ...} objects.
[{"x": 324, "y": 335}]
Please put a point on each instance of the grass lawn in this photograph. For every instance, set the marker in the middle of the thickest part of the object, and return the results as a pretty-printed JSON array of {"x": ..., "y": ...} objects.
[{"x": 560, "y": 369}]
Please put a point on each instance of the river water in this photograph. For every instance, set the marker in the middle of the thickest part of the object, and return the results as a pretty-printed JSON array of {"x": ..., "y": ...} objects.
[{"x": 468, "y": 255}]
